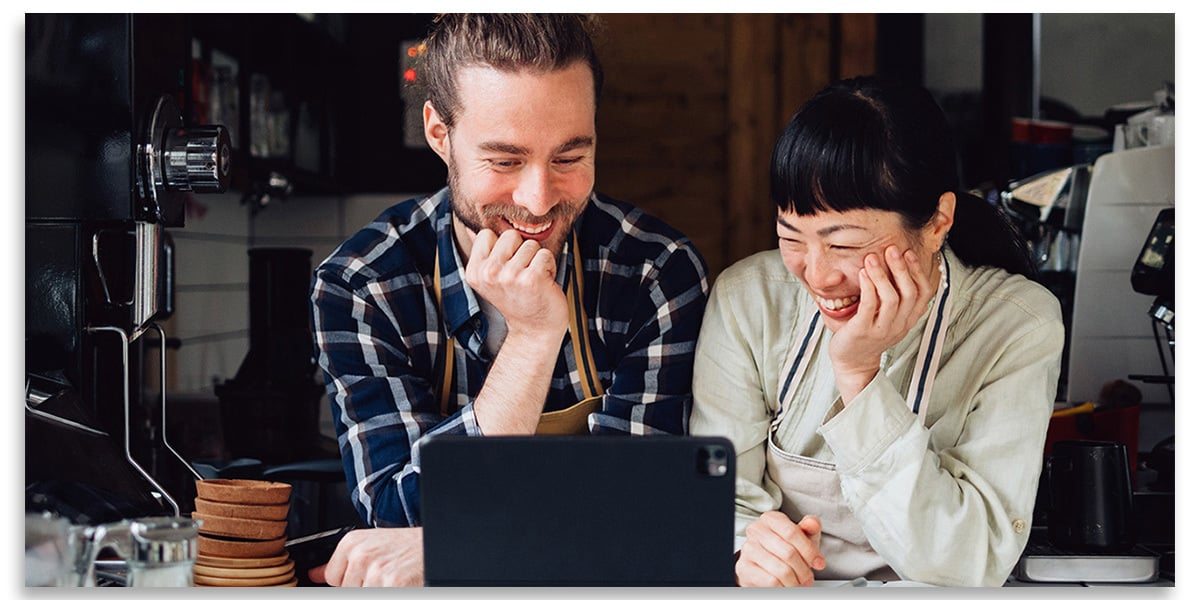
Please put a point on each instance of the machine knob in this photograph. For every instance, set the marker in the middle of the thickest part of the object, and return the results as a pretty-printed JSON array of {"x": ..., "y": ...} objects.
[{"x": 197, "y": 159}]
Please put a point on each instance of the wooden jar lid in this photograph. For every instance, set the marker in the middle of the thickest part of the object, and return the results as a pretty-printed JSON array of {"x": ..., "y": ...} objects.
[
  {"x": 241, "y": 563},
  {"x": 243, "y": 491},
  {"x": 245, "y": 529},
  {"x": 213, "y": 546},
  {"x": 266, "y": 512}
]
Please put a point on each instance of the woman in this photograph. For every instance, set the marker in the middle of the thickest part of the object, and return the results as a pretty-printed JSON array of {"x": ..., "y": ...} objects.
[{"x": 888, "y": 374}]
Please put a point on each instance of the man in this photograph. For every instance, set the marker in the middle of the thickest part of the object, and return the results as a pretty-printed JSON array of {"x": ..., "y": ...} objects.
[{"x": 514, "y": 301}]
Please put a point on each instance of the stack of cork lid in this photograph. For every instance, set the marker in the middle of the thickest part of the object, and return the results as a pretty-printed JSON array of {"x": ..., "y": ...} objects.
[{"x": 242, "y": 534}]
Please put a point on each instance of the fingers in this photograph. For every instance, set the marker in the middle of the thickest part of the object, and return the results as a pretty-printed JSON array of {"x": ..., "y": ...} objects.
[
  {"x": 544, "y": 261},
  {"x": 485, "y": 240},
  {"x": 868, "y": 299},
  {"x": 889, "y": 299},
  {"x": 765, "y": 569},
  {"x": 317, "y": 574},
  {"x": 480, "y": 249},
  {"x": 351, "y": 550},
  {"x": 751, "y": 574},
  {"x": 520, "y": 260},
  {"x": 811, "y": 526},
  {"x": 375, "y": 557},
  {"x": 795, "y": 536},
  {"x": 506, "y": 245},
  {"x": 902, "y": 276},
  {"x": 768, "y": 547},
  {"x": 783, "y": 549},
  {"x": 333, "y": 572}
]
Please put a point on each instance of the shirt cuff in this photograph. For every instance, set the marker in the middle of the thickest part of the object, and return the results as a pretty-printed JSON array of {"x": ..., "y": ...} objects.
[
  {"x": 469, "y": 422},
  {"x": 862, "y": 430},
  {"x": 461, "y": 423}
]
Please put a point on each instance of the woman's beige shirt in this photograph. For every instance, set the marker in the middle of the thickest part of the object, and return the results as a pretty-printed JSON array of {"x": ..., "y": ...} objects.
[{"x": 948, "y": 502}]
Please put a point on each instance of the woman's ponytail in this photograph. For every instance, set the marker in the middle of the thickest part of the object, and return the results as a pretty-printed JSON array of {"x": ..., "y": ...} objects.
[{"x": 982, "y": 235}]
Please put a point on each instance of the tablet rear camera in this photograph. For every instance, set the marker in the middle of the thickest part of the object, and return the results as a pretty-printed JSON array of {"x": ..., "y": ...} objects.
[{"x": 713, "y": 461}]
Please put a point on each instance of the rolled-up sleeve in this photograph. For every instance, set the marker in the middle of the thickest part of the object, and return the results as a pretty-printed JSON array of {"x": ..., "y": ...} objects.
[{"x": 959, "y": 516}]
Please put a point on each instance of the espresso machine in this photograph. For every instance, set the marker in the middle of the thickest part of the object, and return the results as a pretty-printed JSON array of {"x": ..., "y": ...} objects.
[{"x": 110, "y": 168}]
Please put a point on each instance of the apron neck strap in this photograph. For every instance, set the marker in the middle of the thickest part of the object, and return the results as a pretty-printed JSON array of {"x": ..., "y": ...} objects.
[
  {"x": 584, "y": 360},
  {"x": 929, "y": 355},
  {"x": 577, "y": 325},
  {"x": 931, "y": 345}
]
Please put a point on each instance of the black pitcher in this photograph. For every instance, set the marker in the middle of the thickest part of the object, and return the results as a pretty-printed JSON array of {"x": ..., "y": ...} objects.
[{"x": 1091, "y": 500}]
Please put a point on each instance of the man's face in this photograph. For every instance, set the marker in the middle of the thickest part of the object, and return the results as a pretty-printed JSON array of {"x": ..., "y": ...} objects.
[{"x": 521, "y": 154}]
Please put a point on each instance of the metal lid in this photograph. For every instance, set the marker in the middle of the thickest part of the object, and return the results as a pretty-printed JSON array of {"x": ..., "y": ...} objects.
[{"x": 163, "y": 540}]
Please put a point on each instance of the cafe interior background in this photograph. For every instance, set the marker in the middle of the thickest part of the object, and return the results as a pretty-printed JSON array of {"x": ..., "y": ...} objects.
[{"x": 325, "y": 134}]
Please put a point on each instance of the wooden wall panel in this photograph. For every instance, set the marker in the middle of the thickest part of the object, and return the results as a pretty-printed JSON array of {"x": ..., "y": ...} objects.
[
  {"x": 857, "y": 45},
  {"x": 662, "y": 125},
  {"x": 693, "y": 104},
  {"x": 753, "y": 127},
  {"x": 804, "y": 58}
]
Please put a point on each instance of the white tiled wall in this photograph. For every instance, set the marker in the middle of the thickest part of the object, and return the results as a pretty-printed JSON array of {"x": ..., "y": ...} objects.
[
  {"x": 360, "y": 210},
  {"x": 212, "y": 301},
  {"x": 209, "y": 262},
  {"x": 212, "y": 273}
]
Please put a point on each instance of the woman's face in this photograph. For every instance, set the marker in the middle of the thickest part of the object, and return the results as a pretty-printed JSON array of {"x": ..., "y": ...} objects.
[{"x": 827, "y": 249}]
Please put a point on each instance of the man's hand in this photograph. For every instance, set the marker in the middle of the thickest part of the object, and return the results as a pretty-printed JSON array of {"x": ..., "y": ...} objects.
[
  {"x": 392, "y": 557},
  {"x": 780, "y": 553},
  {"x": 517, "y": 277},
  {"x": 892, "y": 297}
]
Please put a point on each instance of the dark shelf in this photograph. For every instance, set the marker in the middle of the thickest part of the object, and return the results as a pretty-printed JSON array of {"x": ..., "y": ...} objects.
[{"x": 351, "y": 87}]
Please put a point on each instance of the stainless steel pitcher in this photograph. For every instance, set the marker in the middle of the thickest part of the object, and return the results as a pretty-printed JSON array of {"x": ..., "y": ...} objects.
[{"x": 158, "y": 551}]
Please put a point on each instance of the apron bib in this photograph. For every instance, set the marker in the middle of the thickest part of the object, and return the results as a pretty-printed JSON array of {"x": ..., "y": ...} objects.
[
  {"x": 568, "y": 421},
  {"x": 813, "y": 487}
]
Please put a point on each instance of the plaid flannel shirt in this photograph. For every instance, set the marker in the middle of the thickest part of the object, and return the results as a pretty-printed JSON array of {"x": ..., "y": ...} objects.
[{"x": 377, "y": 339}]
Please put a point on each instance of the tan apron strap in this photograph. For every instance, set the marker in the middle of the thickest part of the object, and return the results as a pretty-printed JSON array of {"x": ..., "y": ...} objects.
[
  {"x": 446, "y": 352},
  {"x": 580, "y": 342}
]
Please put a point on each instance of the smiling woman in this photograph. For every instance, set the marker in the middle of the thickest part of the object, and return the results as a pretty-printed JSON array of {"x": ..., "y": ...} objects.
[{"x": 886, "y": 376}]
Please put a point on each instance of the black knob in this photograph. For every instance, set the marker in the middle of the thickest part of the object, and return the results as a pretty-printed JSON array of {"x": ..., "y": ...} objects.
[{"x": 197, "y": 159}]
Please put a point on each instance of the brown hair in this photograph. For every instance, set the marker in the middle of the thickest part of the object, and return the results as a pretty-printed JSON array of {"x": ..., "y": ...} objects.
[{"x": 506, "y": 42}]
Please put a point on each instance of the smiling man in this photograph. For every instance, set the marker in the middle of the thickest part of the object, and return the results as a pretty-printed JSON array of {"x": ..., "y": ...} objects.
[{"x": 514, "y": 301}]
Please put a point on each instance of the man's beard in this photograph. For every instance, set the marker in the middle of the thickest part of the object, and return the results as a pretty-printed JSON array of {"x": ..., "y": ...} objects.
[{"x": 464, "y": 208}]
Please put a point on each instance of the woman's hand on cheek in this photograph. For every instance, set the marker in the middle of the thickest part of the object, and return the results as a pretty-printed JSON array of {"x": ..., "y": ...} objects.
[{"x": 893, "y": 295}]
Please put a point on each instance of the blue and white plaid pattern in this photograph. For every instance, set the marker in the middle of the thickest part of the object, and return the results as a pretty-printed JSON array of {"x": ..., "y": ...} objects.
[{"x": 377, "y": 339}]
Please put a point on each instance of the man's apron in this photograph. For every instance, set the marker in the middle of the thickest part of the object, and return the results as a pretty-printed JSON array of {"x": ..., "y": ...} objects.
[
  {"x": 568, "y": 421},
  {"x": 813, "y": 487}
]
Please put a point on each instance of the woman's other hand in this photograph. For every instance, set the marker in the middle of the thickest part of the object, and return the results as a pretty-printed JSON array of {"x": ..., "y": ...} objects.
[{"x": 780, "y": 553}]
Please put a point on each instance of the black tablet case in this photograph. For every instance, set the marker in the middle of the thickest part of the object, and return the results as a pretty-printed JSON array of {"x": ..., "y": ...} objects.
[{"x": 578, "y": 511}]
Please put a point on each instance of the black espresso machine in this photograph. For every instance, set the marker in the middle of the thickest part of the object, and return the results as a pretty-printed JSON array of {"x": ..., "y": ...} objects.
[{"x": 110, "y": 167}]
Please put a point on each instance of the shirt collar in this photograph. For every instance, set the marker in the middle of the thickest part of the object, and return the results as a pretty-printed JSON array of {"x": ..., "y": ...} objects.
[{"x": 956, "y": 271}]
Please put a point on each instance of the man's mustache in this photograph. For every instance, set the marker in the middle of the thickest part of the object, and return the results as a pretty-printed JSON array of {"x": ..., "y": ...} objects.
[{"x": 518, "y": 214}]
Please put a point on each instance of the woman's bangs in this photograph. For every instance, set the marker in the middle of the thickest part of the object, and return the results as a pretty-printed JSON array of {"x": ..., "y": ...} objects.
[{"x": 832, "y": 160}]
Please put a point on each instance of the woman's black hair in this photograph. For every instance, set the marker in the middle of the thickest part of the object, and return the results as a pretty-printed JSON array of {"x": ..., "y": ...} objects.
[{"x": 868, "y": 143}]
